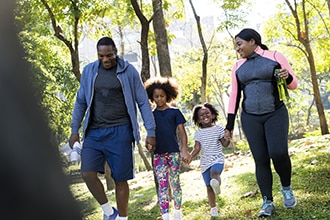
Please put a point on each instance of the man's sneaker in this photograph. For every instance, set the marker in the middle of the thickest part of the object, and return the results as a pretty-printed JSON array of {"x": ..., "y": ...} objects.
[
  {"x": 289, "y": 199},
  {"x": 267, "y": 208},
  {"x": 214, "y": 212},
  {"x": 177, "y": 215},
  {"x": 113, "y": 216},
  {"x": 215, "y": 184}
]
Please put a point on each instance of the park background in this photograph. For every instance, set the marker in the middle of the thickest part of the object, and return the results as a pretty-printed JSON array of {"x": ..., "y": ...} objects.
[{"x": 58, "y": 37}]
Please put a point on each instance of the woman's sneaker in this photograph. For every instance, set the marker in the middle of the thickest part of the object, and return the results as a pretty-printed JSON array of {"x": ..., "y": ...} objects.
[
  {"x": 267, "y": 208},
  {"x": 215, "y": 184},
  {"x": 288, "y": 197}
]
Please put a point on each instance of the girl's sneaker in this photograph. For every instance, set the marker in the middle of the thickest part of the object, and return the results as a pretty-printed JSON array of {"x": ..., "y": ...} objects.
[
  {"x": 215, "y": 184},
  {"x": 165, "y": 216},
  {"x": 214, "y": 212},
  {"x": 177, "y": 215}
]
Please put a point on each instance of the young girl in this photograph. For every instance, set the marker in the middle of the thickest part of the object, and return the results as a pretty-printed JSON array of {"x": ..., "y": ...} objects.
[
  {"x": 209, "y": 139},
  {"x": 167, "y": 155}
]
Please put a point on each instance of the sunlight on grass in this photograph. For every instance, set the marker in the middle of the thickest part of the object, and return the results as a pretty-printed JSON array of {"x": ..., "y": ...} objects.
[{"x": 310, "y": 180}]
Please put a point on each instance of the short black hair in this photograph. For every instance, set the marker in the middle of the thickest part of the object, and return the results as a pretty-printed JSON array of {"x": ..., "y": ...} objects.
[{"x": 106, "y": 41}]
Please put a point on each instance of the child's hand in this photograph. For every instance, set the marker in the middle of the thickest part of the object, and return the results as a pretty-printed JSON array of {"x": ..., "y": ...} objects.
[
  {"x": 150, "y": 148},
  {"x": 185, "y": 157},
  {"x": 190, "y": 159},
  {"x": 228, "y": 135}
]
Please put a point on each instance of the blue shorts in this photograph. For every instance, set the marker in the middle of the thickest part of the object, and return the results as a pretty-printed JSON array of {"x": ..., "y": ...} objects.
[
  {"x": 114, "y": 145},
  {"x": 207, "y": 174}
]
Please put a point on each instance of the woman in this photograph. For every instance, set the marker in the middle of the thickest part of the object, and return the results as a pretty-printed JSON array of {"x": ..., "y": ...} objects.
[{"x": 264, "y": 116}]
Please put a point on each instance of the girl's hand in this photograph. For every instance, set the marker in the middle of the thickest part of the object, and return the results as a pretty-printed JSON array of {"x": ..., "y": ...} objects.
[
  {"x": 185, "y": 156},
  {"x": 228, "y": 135}
]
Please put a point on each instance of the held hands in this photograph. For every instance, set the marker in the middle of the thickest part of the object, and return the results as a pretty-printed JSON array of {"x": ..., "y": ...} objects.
[
  {"x": 190, "y": 159},
  {"x": 150, "y": 144},
  {"x": 185, "y": 156},
  {"x": 228, "y": 135}
]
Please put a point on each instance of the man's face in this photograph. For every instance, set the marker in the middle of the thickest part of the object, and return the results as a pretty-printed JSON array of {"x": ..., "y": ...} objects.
[{"x": 107, "y": 55}]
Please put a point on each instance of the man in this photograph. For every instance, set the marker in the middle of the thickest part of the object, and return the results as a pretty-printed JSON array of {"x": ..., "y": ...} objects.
[{"x": 109, "y": 90}]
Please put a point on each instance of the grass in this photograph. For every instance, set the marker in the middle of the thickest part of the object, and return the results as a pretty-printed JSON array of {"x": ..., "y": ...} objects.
[{"x": 240, "y": 198}]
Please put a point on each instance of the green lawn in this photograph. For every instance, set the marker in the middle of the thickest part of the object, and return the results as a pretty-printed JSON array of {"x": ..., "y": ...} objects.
[{"x": 310, "y": 180}]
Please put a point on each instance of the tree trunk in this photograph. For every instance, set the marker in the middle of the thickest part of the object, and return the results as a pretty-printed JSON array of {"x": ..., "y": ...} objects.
[
  {"x": 74, "y": 51},
  {"x": 145, "y": 71},
  {"x": 303, "y": 38},
  {"x": 161, "y": 39},
  {"x": 317, "y": 95},
  {"x": 205, "y": 54},
  {"x": 144, "y": 158}
]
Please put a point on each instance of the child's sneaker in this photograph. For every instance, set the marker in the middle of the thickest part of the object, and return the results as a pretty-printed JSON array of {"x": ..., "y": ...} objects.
[
  {"x": 267, "y": 208},
  {"x": 289, "y": 199},
  {"x": 215, "y": 184},
  {"x": 177, "y": 215},
  {"x": 165, "y": 216},
  {"x": 113, "y": 216},
  {"x": 214, "y": 212}
]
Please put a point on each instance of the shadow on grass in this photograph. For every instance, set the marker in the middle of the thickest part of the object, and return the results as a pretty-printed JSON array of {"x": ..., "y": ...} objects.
[
  {"x": 143, "y": 204},
  {"x": 88, "y": 205}
]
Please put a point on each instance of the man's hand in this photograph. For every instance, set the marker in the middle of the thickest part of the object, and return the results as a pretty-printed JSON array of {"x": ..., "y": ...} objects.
[
  {"x": 73, "y": 138},
  {"x": 150, "y": 144}
]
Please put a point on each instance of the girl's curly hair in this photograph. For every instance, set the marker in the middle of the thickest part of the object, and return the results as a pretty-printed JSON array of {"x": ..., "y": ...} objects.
[
  {"x": 168, "y": 84},
  {"x": 196, "y": 109}
]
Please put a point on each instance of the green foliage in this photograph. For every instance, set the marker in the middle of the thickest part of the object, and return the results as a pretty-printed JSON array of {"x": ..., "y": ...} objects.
[
  {"x": 280, "y": 33},
  {"x": 242, "y": 145},
  {"x": 54, "y": 80},
  {"x": 187, "y": 70}
]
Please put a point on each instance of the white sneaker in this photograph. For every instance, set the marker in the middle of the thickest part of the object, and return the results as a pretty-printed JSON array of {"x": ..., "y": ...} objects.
[
  {"x": 166, "y": 216},
  {"x": 177, "y": 215},
  {"x": 215, "y": 184},
  {"x": 214, "y": 211}
]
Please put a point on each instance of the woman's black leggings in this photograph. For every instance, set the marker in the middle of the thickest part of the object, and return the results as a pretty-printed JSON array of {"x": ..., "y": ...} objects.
[{"x": 267, "y": 136}]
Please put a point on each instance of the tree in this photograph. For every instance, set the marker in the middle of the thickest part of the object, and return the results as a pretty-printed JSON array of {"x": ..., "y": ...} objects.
[
  {"x": 301, "y": 31},
  {"x": 161, "y": 39},
  {"x": 205, "y": 53},
  {"x": 72, "y": 44},
  {"x": 145, "y": 71}
]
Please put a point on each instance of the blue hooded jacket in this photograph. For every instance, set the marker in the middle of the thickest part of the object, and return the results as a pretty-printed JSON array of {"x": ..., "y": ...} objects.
[{"x": 134, "y": 94}]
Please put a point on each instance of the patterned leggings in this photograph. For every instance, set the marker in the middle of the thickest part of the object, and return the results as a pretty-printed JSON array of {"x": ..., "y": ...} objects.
[{"x": 167, "y": 170}]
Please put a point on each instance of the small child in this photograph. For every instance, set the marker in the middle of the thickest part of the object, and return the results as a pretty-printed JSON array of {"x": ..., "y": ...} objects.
[
  {"x": 209, "y": 139},
  {"x": 167, "y": 155}
]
